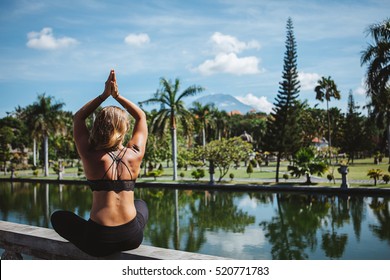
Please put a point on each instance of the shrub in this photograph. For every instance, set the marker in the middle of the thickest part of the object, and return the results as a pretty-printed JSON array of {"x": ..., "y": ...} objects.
[
  {"x": 386, "y": 178},
  {"x": 329, "y": 177},
  {"x": 155, "y": 173},
  {"x": 182, "y": 175},
  {"x": 249, "y": 169},
  {"x": 375, "y": 174},
  {"x": 198, "y": 173},
  {"x": 286, "y": 176},
  {"x": 231, "y": 176},
  {"x": 253, "y": 162}
]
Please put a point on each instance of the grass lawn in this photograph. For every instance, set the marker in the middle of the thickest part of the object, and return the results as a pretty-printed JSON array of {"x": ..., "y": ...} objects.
[{"x": 264, "y": 174}]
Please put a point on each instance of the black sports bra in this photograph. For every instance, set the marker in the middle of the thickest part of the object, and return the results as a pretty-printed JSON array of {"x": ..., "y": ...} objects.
[{"x": 114, "y": 185}]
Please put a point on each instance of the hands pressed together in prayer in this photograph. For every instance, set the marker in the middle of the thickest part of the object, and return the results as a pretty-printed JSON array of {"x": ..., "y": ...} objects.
[{"x": 111, "y": 87}]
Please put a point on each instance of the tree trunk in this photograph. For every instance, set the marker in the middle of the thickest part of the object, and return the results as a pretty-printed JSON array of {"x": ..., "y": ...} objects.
[
  {"x": 46, "y": 151},
  {"x": 277, "y": 167},
  {"x": 329, "y": 134},
  {"x": 35, "y": 152},
  {"x": 308, "y": 179},
  {"x": 174, "y": 153},
  {"x": 388, "y": 140},
  {"x": 203, "y": 137}
]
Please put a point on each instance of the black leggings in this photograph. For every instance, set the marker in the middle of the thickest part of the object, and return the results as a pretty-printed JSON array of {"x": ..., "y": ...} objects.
[{"x": 98, "y": 240}]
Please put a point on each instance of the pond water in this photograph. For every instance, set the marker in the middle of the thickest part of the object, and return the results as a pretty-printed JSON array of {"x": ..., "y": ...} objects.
[{"x": 238, "y": 225}]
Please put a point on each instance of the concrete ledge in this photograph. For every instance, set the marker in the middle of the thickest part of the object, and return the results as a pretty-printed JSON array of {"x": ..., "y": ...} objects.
[
  {"x": 44, "y": 243},
  {"x": 282, "y": 187}
]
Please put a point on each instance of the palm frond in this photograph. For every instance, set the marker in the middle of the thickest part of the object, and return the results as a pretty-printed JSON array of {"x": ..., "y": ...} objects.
[{"x": 190, "y": 91}]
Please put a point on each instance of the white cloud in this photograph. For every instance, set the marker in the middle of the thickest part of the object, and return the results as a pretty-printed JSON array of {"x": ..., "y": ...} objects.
[
  {"x": 229, "y": 44},
  {"x": 240, "y": 245},
  {"x": 308, "y": 80},
  {"x": 45, "y": 40},
  {"x": 259, "y": 103},
  {"x": 361, "y": 90},
  {"x": 137, "y": 40},
  {"x": 226, "y": 60},
  {"x": 230, "y": 63}
]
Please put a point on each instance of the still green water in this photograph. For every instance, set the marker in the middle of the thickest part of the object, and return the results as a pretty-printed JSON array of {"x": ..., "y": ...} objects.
[{"x": 238, "y": 225}]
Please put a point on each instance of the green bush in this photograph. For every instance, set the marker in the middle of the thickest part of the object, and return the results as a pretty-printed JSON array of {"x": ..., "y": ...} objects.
[
  {"x": 198, "y": 173},
  {"x": 249, "y": 169},
  {"x": 253, "y": 162},
  {"x": 155, "y": 173}
]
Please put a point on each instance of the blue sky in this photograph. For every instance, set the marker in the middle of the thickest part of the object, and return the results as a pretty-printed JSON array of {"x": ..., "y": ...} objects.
[{"x": 66, "y": 48}]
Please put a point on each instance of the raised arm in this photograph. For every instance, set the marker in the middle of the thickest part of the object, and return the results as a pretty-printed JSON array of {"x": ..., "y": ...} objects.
[
  {"x": 140, "y": 131},
  {"x": 80, "y": 130}
]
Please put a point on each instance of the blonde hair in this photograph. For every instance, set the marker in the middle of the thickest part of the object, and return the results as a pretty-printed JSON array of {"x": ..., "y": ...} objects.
[{"x": 109, "y": 128}]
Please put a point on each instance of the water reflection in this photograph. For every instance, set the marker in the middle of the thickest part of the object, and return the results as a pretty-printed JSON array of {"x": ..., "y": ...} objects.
[{"x": 258, "y": 225}]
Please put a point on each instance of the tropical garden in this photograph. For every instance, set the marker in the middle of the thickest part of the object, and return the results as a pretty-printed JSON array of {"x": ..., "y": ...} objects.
[{"x": 202, "y": 143}]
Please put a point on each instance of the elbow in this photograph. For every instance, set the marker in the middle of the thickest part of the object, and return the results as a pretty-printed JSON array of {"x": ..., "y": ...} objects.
[
  {"x": 141, "y": 116},
  {"x": 76, "y": 115},
  {"x": 79, "y": 115}
]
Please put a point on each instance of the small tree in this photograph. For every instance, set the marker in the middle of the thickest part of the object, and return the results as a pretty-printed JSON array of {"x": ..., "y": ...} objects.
[
  {"x": 375, "y": 174},
  {"x": 223, "y": 153},
  {"x": 386, "y": 178},
  {"x": 306, "y": 162},
  {"x": 249, "y": 169}
]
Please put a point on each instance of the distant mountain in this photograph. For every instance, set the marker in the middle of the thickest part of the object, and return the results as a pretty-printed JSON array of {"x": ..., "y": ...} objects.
[{"x": 225, "y": 102}]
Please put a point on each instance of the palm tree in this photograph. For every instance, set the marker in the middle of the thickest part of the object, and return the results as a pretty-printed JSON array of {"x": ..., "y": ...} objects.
[
  {"x": 327, "y": 89},
  {"x": 375, "y": 174},
  {"x": 202, "y": 114},
  {"x": 25, "y": 115},
  {"x": 172, "y": 110},
  {"x": 377, "y": 58},
  {"x": 221, "y": 119},
  {"x": 44, "y": 118}
]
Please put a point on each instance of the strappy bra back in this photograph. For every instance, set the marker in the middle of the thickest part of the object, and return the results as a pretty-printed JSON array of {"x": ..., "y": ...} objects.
[
  {"x": 118, "y": 184},
  {"x": 112, "y": 185}
]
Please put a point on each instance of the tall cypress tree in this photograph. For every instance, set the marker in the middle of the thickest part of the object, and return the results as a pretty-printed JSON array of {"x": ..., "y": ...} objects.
[
  {"x": 283, "y": 136},
  {"x": 353, "y": 130}
]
